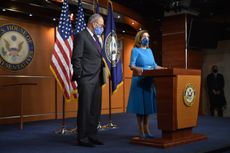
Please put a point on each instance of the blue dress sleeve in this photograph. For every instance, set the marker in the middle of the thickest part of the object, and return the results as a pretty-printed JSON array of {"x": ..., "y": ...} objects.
[
  {"x": 154, "y": 62},
  {"x": 133, "y": 57}
]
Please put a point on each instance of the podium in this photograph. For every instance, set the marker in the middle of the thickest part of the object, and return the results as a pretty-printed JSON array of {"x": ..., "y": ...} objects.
[{"x": 178, "y": 94}]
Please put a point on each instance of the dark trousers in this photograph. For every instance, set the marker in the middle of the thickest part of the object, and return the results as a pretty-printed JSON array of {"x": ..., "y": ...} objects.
[
  {"x": 218, "y": 108},
  {"x": 89, "y": 108}
]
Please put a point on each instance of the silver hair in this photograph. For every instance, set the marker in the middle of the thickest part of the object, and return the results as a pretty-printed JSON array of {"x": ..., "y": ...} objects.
[{"x": 94, "y": 18}]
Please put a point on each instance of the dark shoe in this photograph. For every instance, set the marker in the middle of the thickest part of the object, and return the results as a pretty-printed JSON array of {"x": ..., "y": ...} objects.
[
  {"x": 96, "y": 141},
  {"x": 85, "y": 144},
  {"x": 149, "y": 136},
  {"x": 142, "y": 136}
]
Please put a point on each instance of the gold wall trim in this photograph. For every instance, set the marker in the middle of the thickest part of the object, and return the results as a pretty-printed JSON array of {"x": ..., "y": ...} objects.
[
  {"x": 27, "y": 76},
  {"x": 173, "y": 33}
]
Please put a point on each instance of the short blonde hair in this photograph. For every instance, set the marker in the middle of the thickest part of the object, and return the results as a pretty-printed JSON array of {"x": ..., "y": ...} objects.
[{"x": 138, "y": 37}]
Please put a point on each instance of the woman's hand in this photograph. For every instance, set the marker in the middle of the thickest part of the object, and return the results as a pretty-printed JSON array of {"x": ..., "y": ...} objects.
[
  {"x": 139, "y": 71},
  {"x": 161, "y": 67},
  {"x": 136, "y": 70}
]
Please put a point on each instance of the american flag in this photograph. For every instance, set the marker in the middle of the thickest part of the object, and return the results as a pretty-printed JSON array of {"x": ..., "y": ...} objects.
[
  {"x": 62, "y": 53},
  {"x": 80, "y": 19}
]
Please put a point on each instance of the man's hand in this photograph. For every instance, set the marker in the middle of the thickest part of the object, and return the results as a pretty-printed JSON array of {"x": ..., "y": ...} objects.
[{"x": 216, "y": 92}]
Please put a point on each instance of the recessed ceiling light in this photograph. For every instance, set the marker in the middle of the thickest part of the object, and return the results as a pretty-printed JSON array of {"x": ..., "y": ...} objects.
[
  {"x": 123, "y": 31},
  {"x": 54, "y": 19},
  {"x": 3, "y": 10},
  {"x": 30, "y": 14},
  {"x": 118, "y": 16}
]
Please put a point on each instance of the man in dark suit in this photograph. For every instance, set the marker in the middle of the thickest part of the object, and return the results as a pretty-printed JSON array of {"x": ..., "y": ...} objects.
[
  {"x": 215, "y": 85},
  {"x": 87, "y": 65}
]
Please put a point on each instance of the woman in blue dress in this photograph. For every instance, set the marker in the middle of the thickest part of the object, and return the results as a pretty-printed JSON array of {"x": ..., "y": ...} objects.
[{"x": 142, "y": 96}]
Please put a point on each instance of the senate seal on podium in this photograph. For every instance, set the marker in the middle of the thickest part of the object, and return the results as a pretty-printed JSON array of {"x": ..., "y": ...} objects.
[
  {"x": 189, "y": 95},
  {"x": 16, "y": 47}
]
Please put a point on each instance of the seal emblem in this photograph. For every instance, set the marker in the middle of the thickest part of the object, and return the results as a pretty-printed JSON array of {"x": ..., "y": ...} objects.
[
  {"x": 16, "y": 47},
  {"x": 112, "y": 50},
  {"x": 189, "y": 95}
]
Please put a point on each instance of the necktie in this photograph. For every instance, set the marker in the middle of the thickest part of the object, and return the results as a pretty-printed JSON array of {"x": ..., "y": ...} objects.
[{"x": 97, "y": 41}]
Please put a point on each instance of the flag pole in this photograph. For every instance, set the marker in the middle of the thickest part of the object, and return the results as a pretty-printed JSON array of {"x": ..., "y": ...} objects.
[
  {"x": 110, "y": 124},
  {"x": 109, "y": 32},
  {"x": 62, "y": 130},
  {"x": 63, "y": 112},
  {"x": 64, "y": 37},
  {"x": 110, "y": 100}
]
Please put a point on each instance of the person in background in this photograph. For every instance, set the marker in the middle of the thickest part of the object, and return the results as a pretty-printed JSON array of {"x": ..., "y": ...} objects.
[
  {"x": 88, "y": 67},
  {"x": 215, "y": 87},
  {"x": 142, "y": 96}
]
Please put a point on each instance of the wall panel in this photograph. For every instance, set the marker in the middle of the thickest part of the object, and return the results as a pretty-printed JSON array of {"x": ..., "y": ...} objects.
[
  {"x": 128, "y": 45},
  {"x": 38, "y": 100},
  {"x": 45, "y": 100}
]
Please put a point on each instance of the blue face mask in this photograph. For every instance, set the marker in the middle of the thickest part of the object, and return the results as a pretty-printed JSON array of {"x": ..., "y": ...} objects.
[
  {"x": 98, "y": 30},
  {"x": 145, "y": 42}
]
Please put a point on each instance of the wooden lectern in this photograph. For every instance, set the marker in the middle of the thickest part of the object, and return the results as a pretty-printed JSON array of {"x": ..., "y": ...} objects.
[{"x": 178, "y": 94}]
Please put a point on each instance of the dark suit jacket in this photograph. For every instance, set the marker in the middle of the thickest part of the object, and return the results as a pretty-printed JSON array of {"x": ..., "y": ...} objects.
[
  {"x": 216, "y": 83},
  {"x": 86, "y": 58}
]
